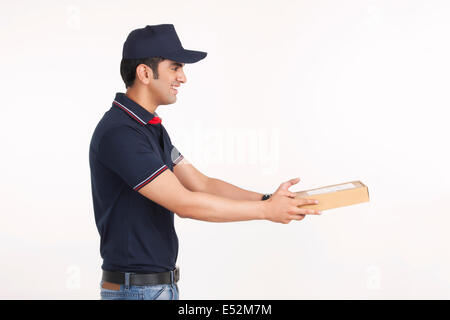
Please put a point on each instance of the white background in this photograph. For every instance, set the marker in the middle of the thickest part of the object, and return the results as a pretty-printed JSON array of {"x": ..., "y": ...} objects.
[{"x": 328, "y": 91}]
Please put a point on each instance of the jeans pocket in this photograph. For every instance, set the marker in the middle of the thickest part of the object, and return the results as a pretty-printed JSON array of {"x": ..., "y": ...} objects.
[
  {"x": 121, "y": 294},
  {"x": 158, "y": 292}
]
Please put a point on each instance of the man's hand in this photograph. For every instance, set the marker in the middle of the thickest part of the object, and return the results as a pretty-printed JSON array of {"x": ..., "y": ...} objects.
[{"x": 283, "y": 208}]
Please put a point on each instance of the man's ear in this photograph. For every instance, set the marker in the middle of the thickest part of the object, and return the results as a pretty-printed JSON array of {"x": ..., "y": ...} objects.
[{"x": 144, "y": 73}]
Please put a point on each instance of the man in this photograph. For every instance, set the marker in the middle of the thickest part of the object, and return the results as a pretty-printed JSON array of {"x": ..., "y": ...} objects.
[{"x": 139, "y": 179}]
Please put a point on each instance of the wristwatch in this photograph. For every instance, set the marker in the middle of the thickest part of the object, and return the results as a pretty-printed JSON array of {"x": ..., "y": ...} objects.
[{"x": 266, "y": 196}]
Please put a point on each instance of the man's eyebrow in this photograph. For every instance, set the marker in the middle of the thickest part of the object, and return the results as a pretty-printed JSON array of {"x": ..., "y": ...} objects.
[{"x": 177, "y": 64}]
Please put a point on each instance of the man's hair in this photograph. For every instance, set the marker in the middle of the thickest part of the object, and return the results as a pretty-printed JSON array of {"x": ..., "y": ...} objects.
[{"x": 128, "y": 68}]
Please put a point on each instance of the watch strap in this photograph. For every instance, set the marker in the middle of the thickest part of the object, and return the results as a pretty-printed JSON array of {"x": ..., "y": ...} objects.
[{"x": 266, "y": 196}]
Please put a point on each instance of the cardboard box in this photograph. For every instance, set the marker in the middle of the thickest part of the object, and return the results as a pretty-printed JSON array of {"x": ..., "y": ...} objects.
[{"x": 335, "y": 196}]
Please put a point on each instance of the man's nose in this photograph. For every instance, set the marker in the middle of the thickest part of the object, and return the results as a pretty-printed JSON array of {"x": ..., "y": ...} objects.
[{"x": 181, "y": 77}]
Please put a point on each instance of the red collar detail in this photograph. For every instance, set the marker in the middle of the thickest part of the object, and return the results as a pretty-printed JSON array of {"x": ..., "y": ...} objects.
[{"x": 155, "y": 120}]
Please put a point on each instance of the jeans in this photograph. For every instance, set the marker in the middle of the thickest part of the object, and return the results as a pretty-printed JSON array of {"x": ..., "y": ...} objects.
[{"x": 156, "y": 292}]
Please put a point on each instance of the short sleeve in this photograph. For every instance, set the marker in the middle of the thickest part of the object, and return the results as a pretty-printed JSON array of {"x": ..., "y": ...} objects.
[
  {"x": 176, "y": 156},
  {"x": 129, "y": 154}
]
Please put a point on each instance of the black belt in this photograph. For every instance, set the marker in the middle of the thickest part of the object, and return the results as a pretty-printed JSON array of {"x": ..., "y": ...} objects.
[{"x": 143, "y": 279}]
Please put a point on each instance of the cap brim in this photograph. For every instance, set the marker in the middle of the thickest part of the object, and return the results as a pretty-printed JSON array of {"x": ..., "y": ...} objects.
[{"x": 186, "y": 56}]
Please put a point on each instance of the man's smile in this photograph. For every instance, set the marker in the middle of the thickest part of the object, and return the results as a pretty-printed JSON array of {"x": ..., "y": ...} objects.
[{"x": 173, "y": 88}]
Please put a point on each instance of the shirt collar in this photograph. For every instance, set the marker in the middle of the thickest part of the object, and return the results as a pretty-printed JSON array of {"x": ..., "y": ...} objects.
[{"x": 134, "y": 110}]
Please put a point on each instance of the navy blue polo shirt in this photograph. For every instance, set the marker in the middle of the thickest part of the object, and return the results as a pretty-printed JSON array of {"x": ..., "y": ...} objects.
[{"x": 129, "y": 150}]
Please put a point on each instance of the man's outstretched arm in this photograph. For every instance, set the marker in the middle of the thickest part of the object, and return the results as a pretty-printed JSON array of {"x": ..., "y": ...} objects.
[{"x": 167, "y": 191}]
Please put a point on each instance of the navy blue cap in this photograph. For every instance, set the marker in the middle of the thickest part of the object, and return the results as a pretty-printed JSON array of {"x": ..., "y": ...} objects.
[{"x": 158, "y": 41}]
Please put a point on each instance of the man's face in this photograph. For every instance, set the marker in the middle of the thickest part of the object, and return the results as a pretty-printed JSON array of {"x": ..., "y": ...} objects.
[{"x": 171, "y": 75}]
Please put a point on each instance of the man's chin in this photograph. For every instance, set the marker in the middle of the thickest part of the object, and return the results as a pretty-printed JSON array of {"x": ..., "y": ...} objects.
[{"x": 171, "y": 101}]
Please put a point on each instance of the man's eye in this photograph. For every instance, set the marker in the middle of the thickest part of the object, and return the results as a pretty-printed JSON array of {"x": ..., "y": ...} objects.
[{"x": 175, "y": 69}]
